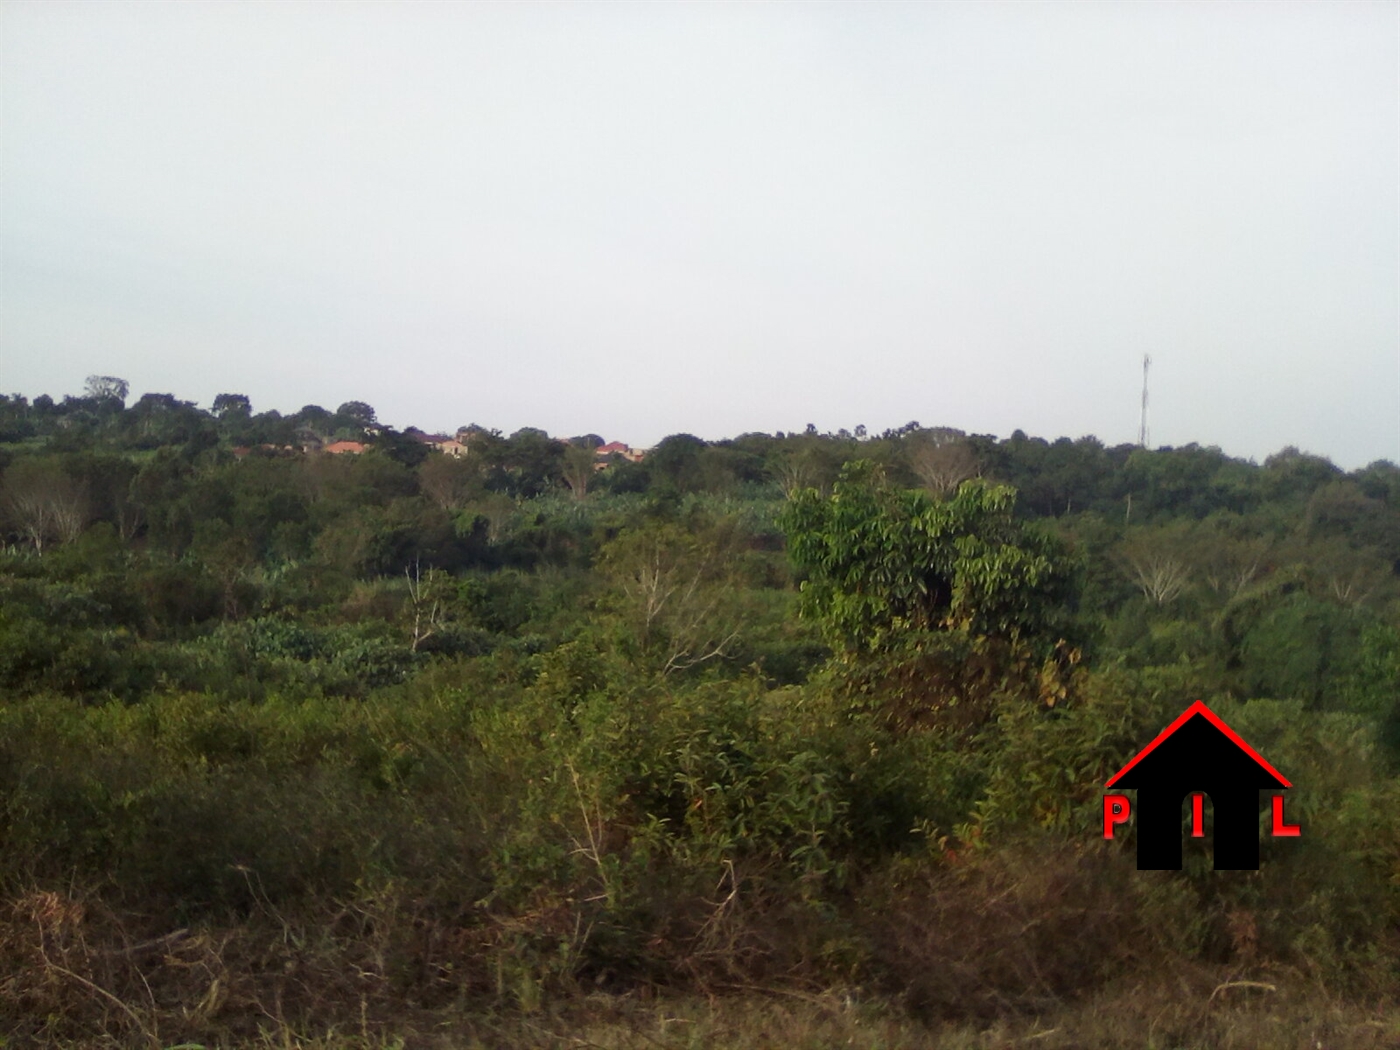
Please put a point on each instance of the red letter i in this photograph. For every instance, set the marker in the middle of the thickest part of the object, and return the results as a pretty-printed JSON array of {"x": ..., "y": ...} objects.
[{"x": 1198, "y": 816}]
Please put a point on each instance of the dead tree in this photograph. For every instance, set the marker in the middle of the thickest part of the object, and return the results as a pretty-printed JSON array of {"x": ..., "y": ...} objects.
[{"x": 942, "y": 459}]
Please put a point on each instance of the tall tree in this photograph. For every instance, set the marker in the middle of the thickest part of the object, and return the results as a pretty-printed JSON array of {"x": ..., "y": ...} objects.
[
  {"x": 44, "y": 502},
  {"x": 532, "y": 462},
  {"x": 1159, "y": 561},
  {"x": 107, "y": 388},
  {"x": 580, "y": 464},
  {"x": 941, "y": 458},
  {"x": 450, "y": 482},
  {"x": 882, "y": 561},
  {"x": 675, "y": 463},
  {"x": 673, "y": 590},
  {"x": 356, "y": 414},
  {"x": 232, "y": 406}
]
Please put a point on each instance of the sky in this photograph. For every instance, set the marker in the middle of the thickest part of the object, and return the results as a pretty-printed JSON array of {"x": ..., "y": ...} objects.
[{"x": 639, "y": 219}]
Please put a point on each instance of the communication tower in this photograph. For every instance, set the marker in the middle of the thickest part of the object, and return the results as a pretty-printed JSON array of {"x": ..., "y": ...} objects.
[{"x": 1142, "y": 430}]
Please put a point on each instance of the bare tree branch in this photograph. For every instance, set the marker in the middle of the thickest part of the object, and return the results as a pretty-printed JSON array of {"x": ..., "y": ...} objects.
[{"x": 942, "y": 459}]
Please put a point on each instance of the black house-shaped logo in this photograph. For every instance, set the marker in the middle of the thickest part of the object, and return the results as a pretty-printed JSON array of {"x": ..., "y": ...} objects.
[{"x": 1198, "y": 754}]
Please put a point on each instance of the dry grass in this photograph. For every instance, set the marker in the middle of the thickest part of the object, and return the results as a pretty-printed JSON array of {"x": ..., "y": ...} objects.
[
  {"x": 1140, "y": 1018},
  {"x": 72, "y": 974}
]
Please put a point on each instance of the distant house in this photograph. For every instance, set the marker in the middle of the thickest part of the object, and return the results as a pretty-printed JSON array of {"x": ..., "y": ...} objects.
[
  {"x": 340, "y": 448},
  {"x": 266, "y": 451},
  {"x": 617, "y": 448},
  {"x": 448, "y": 446},
  {"x": 473, "y": 433}
]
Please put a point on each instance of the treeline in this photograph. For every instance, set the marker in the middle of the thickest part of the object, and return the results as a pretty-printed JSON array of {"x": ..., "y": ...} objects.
[
  {"x": 407, "y": 731},
  {"x": 182, "y": 522}
]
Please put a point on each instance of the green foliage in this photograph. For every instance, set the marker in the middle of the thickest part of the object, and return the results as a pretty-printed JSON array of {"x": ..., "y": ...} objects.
[
  {"x": 1299, "y": 648},
  {"x": 1371, "y": 689},
  {"x": 675, "y": 593},
  {"x": 882, "y": 561},
  {"x": 502, "y": 744}
]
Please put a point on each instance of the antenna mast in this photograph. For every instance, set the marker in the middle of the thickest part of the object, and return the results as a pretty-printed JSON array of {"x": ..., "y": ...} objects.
[{"x": 1142, "y": 430}]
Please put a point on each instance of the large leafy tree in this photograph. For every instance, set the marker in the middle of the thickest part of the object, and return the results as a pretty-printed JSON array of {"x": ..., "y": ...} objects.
[
  {"x": 356, "y": 415},
  {"x": 580, "y": 463},
  {"x": 883, "y": 563},
  {"x": 675, "y": 464},
  {"x": 532, "y": 463},
  {"x": 107, "y": 388}
]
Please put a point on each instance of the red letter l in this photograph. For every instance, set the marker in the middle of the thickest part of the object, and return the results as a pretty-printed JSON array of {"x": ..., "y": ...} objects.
[{"x": 1282, "y": 830}]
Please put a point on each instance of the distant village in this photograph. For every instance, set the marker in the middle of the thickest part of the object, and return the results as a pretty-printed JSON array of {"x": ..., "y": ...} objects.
[{"x": 456, "y": 445}]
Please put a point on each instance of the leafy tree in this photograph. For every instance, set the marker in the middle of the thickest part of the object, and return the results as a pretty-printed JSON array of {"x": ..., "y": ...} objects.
[
  {"x": 531, "y": 463},
  {"x": 449, "y": 481},
  {"x": 159, "y": 490},
  {"x": 401, "y": 447},
  {"x": 271, "y": 428},
  {"x": 356, "y": 415},
  {"x": 1380, "y": 480},
  {"x": 314, "y": 416},
  {"x": 1372, "y": 688},
  {"x": 675, "y": 463},
  {"x": 1295, "y": 475},
  {"x": 881, "y": 561},
  {"x": 106, "y": 478},
  {"x": 232, "y": 406},
  {"x": 228, "y": 556},
  {"x": 268, "y": 503},
  {"x": 722, "y": 468},
  {"x": 803, "y": 462},
  {"x": 163, "y": 420},
  {"x": 335, "y": 485},
  {"x": 495, "y": 510},
  {"x": 1229, "y": 564},
  {"x": 1173, "y": 482},
  {"x": 15, "y": 424},
  {"x": 1343, "y": 509},
  {"x": 107, "y": 388},
  {"x": 1297, "y": 649},
  {"x": 623, "y": 477},
  {"x": 580, "y": 464},
  {"x": 1344, "y": 574}
]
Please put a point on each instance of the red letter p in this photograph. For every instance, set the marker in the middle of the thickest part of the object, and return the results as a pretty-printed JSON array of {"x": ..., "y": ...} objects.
[{"x": 1115, "y": 811}]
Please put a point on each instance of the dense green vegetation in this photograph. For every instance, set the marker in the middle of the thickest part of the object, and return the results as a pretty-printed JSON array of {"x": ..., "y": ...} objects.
[{"x": 293, "y": 742}]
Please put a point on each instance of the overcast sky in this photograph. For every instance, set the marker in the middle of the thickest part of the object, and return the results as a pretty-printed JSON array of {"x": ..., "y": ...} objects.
[{"x": 642, "y": 219}]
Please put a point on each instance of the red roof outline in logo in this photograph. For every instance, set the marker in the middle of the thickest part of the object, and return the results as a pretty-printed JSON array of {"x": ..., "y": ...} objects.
[{"x": 1199, "y": 708}]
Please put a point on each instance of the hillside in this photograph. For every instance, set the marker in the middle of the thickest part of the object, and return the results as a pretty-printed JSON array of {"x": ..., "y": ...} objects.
[{"x": 530, "y": 744}]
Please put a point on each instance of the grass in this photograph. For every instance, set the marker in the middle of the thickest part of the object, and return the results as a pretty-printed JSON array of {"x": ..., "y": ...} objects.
[
  {"x": 1185, "y": 1017},
  {"x": 71, "y": 977}
]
